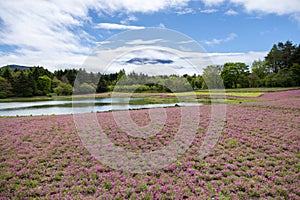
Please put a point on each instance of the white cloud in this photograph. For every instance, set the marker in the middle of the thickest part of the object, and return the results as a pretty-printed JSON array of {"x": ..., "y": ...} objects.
[
  {"x": 208, "y": 11},
  {"x": 50, "y": 33},
  {"x": 186, "y": 11},
  {"x": 184, "y": 62},
  {"x": 161, "y": 25},
  {"x": 296, "y": 17},
  {"x": 231, "y": 12},
  {"x": 103, "y": 42},
  {"x": 131, "y": 6},
  {"x": 248, "y": 58},
  {"x": 278, "y": 7},
  {"x": 186, "y": 42},
  {"x": 111, "y": 26},
  {"x": 129, "y": 19},
  {"x": 143, "y": 42},
  {"x": 216, "y": 41},
  {"x": 41, "y": 33},
  {"x": 212, "y": 2},
  {"x": 39, "y": 26}
]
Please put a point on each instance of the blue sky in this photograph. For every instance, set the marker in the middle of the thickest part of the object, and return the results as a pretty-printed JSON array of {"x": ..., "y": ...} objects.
[{"x": 62, "y": 34}]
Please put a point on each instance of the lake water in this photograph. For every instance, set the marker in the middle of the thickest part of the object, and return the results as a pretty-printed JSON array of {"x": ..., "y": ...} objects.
[{"x": 59, "y": 107}]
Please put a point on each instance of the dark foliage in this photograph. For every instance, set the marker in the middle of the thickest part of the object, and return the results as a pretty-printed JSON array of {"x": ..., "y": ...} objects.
[{"x": 280, "y": 68}]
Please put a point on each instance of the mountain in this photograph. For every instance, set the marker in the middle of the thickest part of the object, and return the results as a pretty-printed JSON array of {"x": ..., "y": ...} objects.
[
  {"x": 144, "y": 61},
  {"x": 19, "y": 67}
]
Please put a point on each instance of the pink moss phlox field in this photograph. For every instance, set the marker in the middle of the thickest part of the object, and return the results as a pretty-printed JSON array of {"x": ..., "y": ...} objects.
[{"x": 257, "y": 157}]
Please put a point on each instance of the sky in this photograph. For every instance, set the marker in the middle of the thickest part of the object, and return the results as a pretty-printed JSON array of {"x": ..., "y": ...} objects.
[{"x": 59, "y": 34}]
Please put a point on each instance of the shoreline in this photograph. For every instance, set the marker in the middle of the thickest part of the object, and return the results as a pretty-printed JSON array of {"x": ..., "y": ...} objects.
[
  {"x": 239, "y": 92},
  {"x": 161, "y": 100}
]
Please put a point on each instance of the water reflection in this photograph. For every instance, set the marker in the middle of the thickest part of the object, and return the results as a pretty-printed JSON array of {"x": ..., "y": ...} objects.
[{"x": 58, "y": 107}]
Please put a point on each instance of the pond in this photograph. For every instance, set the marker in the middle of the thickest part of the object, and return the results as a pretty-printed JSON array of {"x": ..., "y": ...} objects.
[{"x": 58, "y": 107}]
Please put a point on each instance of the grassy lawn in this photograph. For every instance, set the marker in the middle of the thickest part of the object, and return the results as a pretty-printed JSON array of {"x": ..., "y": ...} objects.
[
  {"x": 218, "y": 92},
  {"x": 274, "y": 89},
  {"x": 239, "y": 92}
]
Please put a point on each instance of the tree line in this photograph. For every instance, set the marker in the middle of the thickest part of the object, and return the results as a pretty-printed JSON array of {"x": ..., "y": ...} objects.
[{"x": 280, "y": 68}]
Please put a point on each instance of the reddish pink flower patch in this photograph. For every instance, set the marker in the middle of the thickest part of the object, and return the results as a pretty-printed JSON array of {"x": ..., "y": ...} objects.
[{"x": 257, "y": 156}]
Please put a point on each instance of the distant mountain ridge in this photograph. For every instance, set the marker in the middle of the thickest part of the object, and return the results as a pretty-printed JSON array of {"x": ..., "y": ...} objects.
[{"x": 19, "y": 67}]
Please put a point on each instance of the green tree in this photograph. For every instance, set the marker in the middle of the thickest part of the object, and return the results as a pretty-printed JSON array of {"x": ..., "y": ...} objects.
[
  {"x": 61, "y": 88},
  {"x": 295, "y": 58},
  {"x": 270, "y": 80},
  {"x": 102, "y": 85},
  {"x": 7, "y": 73},
  {"x": 282, "y": 56},
  {"x": 44, "y": 84},
  {"x": 274, "y": 58},
  {"x": 5, "y": 88},
  {"x": 121, "y": 74},
  {"x": 255, "y": 81},
  {"x": 288, "y": 50},
  {"x": 295, "y": 69},
  {"x": 197, "y": 82},
  {"x": 260, "y": 68},
  {"x": 235, "y": 75},
  {"x": 71, "y": 75},
  {"x": 177, "y": 84},
  {"x": 55, "y": 82},
  {"x": 285, "y": 78},
  {"x": 212, "y": 77},
  {"x": 86, "y": 88},
  {"x": 22, "y": 86}
]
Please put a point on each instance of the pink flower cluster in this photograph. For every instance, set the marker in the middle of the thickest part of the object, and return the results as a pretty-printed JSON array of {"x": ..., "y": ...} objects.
[{"x": 257, "y": 156}]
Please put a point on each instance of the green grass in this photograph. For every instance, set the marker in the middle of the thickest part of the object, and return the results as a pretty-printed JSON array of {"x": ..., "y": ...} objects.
[
  {"x": 206, "y": 93},
  {"x": 26, "y": 99},
  {"x": 244, "y": 94},
  {"x": 152, "y": 97},
  {"x": 239, "y": 92},
  {"x": 274, "y": 89},
  {"x": 153, "y": 100},
  {"x": 227, "y": 101},
  {"x": 36, "y": 98},
  {"x": 204, "y": 100}
]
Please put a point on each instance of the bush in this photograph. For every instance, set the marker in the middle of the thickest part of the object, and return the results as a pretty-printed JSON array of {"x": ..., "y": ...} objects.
[{"x": 63, "y": 89}]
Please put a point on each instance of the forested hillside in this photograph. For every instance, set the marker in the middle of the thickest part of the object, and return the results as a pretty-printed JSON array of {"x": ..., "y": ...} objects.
[{"x": 280, "y": 68}]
